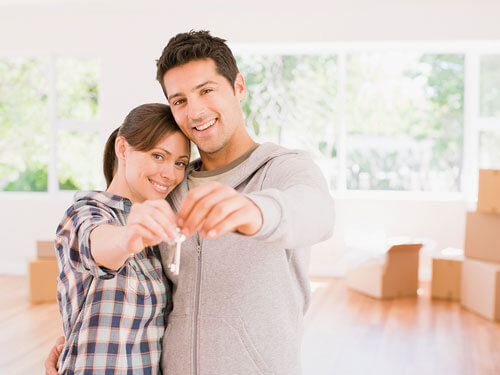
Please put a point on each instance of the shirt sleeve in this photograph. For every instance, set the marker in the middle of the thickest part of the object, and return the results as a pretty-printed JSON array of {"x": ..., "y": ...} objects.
[{"x": 73, "y": 238}]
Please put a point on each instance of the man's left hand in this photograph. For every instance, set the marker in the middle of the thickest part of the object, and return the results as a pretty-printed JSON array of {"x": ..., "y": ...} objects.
[{"x": 214, "y": 209}]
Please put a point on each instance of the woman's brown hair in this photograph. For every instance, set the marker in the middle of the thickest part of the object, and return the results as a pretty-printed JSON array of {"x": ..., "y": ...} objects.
[{"x": 143, "y": 128}]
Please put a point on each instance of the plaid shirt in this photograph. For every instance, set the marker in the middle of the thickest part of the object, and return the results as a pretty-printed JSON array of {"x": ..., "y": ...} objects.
[{"x": 113, "y": 320}]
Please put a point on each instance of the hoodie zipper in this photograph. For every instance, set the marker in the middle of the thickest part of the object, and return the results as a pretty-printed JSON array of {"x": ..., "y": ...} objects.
[{"x": 197, "y": 307}]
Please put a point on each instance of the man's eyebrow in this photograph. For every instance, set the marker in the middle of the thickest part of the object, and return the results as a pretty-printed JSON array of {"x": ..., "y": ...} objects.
[
  {"x": 203, "y": 84},
  {"x": 195, "y": 88}
]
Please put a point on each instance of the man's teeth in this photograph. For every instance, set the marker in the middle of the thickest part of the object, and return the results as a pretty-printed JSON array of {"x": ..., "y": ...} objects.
[
  {"x": 161, "y": 187},
  {"x": 206, "y": 126}
]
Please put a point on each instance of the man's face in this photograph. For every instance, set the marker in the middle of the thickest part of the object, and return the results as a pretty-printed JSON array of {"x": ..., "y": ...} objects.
[{"x": 205, "y": 106}]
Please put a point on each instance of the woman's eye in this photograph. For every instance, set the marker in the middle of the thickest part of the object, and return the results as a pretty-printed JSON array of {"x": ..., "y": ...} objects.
[
  {"x": 182, "y": 164},
  {"x": 157, "y": 157},
  {"x": 206, "y": 91}
]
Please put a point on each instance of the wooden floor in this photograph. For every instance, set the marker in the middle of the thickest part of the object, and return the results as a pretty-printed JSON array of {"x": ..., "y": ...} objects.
[{"x": 345, "y": 333}]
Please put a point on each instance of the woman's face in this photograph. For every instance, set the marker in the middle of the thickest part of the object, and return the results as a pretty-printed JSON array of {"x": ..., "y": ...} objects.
[{"x": 154, "y": 173}]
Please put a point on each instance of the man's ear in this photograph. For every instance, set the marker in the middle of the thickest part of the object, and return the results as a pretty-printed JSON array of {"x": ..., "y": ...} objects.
[
  {"x": 240, "y": 88},
  {"x": 121, "y": 146}
]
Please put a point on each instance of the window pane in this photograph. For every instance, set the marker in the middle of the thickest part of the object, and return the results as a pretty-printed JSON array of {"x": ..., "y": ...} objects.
[
  {"x": 24, "y": 153},
  {"x": 291, "y": 101},
  {"x": 490, "y": 86},
  {"x": 79, "y": 160},
  {"x": 404, "y": 115},
  {"x": 77, "y": 81},
  {"x": 489, "y": 150}
]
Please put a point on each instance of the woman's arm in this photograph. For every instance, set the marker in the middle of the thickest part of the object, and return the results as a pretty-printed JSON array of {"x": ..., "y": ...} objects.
[{"x": 111, "y": 245}]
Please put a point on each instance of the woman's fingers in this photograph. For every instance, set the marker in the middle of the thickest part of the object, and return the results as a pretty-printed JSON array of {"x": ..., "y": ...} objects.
[
  {"x": 156, "y": 216},
  {"x": 140, "y": 237}
]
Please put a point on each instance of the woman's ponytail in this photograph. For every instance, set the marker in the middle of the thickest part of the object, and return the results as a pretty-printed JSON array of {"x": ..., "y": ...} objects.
[{"x": 109, "y": 162}]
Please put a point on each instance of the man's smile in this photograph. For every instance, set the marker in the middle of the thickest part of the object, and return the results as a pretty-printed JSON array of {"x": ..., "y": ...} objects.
[{"x": 205, "y": 126}]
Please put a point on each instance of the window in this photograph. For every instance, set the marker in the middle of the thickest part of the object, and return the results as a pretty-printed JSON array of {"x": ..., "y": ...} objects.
[
  {"x": 489, "y": 112},
  {"x": 291, "y": 101},
  {"x": 404, "y": 119},
  {"x": 380, "y": 116},
  {"x": 48, "y": 117}
]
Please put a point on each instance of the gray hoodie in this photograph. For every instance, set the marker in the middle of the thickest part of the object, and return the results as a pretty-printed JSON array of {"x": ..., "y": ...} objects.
[{"x": 239, "y": 301}]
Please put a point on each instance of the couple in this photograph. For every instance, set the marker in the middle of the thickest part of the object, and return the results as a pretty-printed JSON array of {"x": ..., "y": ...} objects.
[{"x": 250, "y": 213}]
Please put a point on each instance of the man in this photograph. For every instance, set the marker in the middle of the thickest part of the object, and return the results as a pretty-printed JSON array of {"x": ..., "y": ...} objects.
[{"x": 250, "y": 214}]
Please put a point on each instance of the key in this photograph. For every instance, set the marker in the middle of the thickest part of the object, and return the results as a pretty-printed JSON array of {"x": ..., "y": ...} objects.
[{"x": 174, "y": 257}]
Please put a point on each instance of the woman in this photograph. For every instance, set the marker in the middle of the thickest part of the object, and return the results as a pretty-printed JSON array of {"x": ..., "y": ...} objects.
[{"x": 112, "y": 293}]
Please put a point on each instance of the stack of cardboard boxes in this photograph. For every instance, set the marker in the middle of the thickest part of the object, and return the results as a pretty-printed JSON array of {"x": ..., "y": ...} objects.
[
  {"x": 43, "y": 272},
  {"x": 480, "y": 290}
]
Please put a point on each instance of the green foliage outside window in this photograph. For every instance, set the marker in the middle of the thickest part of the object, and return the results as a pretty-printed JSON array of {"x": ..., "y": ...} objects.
[
  {"x": 24, "y": 124},
  {"x": 25, "y": 127}
]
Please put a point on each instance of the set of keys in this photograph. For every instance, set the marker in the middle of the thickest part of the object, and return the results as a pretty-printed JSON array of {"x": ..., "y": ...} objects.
[{"x": 174, "y": 253}]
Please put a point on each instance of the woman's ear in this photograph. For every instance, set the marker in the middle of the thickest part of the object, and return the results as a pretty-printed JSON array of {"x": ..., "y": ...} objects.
[{"x": 121, "y": 146}]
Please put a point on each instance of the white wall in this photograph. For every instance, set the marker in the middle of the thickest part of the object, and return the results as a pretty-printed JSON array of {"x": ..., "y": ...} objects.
[{"x": 128, "y": 37}]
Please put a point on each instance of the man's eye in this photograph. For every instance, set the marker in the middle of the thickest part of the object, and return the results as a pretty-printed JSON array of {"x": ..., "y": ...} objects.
[
  {"x": 206, "y": 91},
  {"x": 180, "y": 101}
]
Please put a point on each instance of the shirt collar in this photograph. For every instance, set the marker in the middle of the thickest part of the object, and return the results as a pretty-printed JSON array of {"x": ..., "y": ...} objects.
[{"x": 111, "y": 200}]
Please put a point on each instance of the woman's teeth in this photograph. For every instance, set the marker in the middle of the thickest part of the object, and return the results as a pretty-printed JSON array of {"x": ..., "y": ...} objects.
[
  {"x": 206, "y": 126},
  {"x": 159, "y": 187}
]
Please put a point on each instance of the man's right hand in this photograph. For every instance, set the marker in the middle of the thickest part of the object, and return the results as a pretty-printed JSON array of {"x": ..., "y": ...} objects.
[{"x": 55, "y": 352}]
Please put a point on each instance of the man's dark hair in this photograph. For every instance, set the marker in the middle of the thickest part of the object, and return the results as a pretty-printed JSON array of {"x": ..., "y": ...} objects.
[{"x": 196, "y": 45}]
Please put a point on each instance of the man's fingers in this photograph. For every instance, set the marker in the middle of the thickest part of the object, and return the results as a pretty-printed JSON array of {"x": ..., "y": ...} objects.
[
  {"x": 192, "y": 198},
  {"x": 203, "y": 208},
  {"x": 239, "y": 214},
  {"x": 229, "y": 224},
  {"x": 220, "y": 212}
]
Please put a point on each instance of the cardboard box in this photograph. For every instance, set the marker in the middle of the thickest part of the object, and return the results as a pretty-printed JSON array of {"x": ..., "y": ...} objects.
[
  {"x": 446, "y": 277},
  {"x": 482, "y": 236},
  {"x": 43, "y": 280},
  {"x": 481, "y": 288},
  {"x": 45, "y": 249},
  {"x": 393, "y": 275},
  {"x": 488, "y": 200}
]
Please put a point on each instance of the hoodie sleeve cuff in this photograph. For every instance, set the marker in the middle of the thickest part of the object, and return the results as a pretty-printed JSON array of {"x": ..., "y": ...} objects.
[{"x": 271, "y": 214}]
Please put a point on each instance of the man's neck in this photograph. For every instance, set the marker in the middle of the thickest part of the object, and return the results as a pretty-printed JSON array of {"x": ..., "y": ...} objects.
[{"x": 221, "y": 158}]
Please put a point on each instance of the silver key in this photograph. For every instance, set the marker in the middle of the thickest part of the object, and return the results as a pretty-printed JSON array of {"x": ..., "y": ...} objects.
[{"x": 174, "y": 257}]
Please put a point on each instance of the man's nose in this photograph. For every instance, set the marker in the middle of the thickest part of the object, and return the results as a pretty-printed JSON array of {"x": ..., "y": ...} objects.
[{"x": 196, "y": 111}]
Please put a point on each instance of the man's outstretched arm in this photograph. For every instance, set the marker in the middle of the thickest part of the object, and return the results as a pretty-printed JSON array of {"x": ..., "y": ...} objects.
[{"x": 294, "y": 208}]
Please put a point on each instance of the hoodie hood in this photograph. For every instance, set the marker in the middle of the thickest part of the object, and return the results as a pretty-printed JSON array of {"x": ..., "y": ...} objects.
[{"x": 262, "y": 154}]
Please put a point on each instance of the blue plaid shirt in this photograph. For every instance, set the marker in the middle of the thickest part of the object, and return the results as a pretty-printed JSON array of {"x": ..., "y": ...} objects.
[{"x": 113, "y": 320}]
